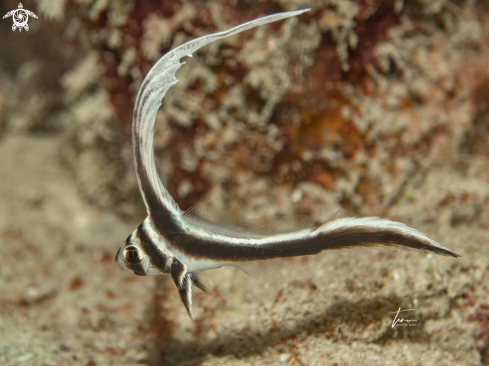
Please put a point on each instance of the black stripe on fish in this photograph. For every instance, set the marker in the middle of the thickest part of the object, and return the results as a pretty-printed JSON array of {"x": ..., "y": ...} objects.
[
  {"x": 157, "y": 258},
  {"x": 340, "y": 238}
]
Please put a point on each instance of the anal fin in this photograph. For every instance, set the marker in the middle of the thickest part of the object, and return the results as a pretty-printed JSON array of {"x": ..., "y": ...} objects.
[{"x": 264, "y": 271}]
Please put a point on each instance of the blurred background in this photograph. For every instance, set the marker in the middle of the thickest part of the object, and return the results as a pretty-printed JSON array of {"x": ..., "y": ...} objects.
[{"x": 377, "y": 107}]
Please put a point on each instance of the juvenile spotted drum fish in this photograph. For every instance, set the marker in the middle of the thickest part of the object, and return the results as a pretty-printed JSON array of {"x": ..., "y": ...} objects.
[{"x": 171, "y": 241}]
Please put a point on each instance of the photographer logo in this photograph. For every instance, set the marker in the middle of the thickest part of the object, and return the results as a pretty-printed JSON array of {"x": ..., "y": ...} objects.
[
  {"x": 400, "y": 321},
  {"x": 20, "y": 17}
]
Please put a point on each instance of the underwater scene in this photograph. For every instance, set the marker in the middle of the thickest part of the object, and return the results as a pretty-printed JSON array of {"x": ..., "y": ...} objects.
[{"x": 312, "y": 190}]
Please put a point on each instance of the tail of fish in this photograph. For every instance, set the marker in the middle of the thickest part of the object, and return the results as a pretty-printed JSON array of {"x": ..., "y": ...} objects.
[{"x": 352, "y": 232}]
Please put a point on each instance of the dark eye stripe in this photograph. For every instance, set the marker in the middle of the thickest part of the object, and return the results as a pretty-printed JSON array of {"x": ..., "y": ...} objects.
[{"x": 157, "y": 258}]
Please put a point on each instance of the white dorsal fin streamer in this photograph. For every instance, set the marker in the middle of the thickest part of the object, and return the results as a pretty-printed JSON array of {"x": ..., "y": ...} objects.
[{"x": 154, "y": 87}]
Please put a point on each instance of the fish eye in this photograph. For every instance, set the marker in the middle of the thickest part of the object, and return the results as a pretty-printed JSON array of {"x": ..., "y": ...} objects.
[{"x": 132, "y": 255}]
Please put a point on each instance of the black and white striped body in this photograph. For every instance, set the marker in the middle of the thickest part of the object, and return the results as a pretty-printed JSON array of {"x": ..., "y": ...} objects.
[{"x": 181, "y": 244}]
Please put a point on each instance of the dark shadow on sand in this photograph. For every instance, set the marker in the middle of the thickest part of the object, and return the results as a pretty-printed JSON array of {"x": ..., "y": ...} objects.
[{"x": 362, "y": 313}]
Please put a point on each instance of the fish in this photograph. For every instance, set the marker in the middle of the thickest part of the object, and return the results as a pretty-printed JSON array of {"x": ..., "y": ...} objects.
[{"x": 182, "y": 244}]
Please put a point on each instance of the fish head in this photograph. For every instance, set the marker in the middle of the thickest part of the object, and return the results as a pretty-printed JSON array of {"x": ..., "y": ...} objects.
[{"x": 132, "y": 258}]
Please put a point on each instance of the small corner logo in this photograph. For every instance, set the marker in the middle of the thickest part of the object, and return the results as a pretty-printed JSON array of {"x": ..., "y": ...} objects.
[
  {"x": 401, "y": 321},
  {"x": 20, "y": 17}
]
